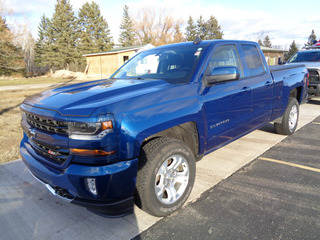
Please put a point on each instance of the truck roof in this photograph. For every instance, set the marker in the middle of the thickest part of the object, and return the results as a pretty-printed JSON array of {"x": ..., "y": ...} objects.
[{"x": 204, "y": 43}]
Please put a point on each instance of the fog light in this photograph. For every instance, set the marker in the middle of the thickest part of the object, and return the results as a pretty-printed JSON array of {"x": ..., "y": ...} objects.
[{"x": 91, "y": 185}]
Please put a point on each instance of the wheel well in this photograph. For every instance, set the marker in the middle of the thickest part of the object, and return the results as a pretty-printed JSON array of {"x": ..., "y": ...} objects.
[
  {"x": 296, "y": 93},
  {"x": 186, "y": 132}
]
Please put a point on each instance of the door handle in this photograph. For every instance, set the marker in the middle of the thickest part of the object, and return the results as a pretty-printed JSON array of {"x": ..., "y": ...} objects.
[
  {"x": 268, "y": 83},
  {"x": 245, "y": 89}
]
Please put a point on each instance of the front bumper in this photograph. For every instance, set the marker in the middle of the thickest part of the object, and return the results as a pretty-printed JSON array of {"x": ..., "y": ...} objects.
[{"x": 115, "y": 183}]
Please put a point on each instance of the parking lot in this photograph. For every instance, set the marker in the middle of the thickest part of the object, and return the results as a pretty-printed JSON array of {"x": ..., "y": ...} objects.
[
  {"x": 244, "y": 190},
  {"x": 274, "y": 197}
]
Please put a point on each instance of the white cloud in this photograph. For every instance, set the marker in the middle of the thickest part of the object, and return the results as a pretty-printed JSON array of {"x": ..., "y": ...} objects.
[{"x": 282, "y": 24}]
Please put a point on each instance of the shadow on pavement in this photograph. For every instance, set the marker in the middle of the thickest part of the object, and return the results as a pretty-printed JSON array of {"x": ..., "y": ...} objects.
[
  {"x": 314, "y": 101},
  {"x": 268, "y": 128},
  {"x": 28, "y": 211}
]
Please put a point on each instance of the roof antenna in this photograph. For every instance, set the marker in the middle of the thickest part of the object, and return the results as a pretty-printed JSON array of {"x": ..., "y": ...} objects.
[{"x": 197, "y": 40}]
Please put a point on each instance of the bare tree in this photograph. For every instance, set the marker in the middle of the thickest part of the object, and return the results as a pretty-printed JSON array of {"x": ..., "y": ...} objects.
[
  {"x": 11, "y": 57},
  {"x": 29, "y": 53},
  {"x": 24, "y": 39},
  {"x": 155, "y": 26},
  {"x": 257, "y": 36}
]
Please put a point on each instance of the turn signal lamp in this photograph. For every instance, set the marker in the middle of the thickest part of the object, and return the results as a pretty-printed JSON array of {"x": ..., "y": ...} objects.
[{"x": 90, "y": 152}]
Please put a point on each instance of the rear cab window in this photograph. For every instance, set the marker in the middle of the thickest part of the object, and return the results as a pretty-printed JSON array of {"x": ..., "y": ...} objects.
[{"x": 253, "y": 60}]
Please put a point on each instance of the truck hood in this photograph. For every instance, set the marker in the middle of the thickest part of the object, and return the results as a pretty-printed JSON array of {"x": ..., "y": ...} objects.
[
  {"x": 308, "y": 64},
  {"x": 82, "y": 99}
]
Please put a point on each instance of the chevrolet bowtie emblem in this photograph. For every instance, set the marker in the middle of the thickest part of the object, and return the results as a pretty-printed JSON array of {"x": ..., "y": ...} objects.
[{"x": 32, "y": 133}]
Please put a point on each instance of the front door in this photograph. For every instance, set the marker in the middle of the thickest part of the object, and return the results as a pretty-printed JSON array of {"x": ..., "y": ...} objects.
[{"x": 227, "y": 104}]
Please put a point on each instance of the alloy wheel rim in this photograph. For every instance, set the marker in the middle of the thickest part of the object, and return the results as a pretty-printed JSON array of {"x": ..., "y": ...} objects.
[
  {"x": 172, "y": 179},
  {"x": 293, "y": 117}
]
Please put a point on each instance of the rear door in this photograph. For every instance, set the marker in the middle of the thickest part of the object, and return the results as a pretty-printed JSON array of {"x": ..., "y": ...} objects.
[
  {"x": 261, "y": 82},
  {"x": 228, "y": 104}
]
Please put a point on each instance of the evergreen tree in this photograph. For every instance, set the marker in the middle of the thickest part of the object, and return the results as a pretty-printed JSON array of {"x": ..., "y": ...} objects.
[
  {"x": 43, "y": 42},
  {"x": 127, "y": 37},
  {"x": 94, "y": 32},
  {"x": 64, "y": 33},
  {"x": 260, "y": 43},
  {"x": 95, "y": 29},
  {"x": 206, "y": 30},
  {"x": 178, "y": 36},
  {"x": 191, "y": 30},
  {"x": 11, "y": 56},
  {"x": 213, "y": 29},
  {"x": 292, "y": 50},
  {"x": 267, "y": 42},
  {"x": 311, "y": 38},
  {"x": 202, "y": 29}
]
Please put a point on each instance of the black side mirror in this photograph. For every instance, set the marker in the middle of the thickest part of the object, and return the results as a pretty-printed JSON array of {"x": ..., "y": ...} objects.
[
  {"x": 280, "y": 62},
  {"x": 221, "y": 74}
]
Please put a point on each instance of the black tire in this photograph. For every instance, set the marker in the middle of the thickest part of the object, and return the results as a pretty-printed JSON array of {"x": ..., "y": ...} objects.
[
  {"x": 161, "y": 162},
  {"x": 290, "y": 118}
]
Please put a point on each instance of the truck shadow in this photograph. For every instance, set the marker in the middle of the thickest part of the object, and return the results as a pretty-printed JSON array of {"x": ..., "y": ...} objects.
[
  {"x": 314, "y": 101},
  {"x": 268, "y": 128}
]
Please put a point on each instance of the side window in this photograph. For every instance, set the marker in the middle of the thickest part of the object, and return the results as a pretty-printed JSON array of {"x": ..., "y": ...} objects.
[
  {"x": 224, "y": 56},
  {"x": 253, "y": 60}
]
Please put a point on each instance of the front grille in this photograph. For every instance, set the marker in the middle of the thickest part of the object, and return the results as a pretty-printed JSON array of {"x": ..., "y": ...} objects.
[
  {"x": 59, "y": 155},
  {"x": 314, "y": 75},
  {"x": 47, "y": 124}
]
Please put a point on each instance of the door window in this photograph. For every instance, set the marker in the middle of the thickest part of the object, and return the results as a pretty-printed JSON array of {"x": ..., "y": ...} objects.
[{"x": 224, "y": 56}]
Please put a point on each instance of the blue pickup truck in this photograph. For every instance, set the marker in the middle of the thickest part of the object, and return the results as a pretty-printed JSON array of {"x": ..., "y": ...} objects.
[{"x": 135, "y": 137}]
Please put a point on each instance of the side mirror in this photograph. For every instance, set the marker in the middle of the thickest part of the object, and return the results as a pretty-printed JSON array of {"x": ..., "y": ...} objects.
[
  {"x": 222, "y": 74},
  {"x": 280, "y": 62}
]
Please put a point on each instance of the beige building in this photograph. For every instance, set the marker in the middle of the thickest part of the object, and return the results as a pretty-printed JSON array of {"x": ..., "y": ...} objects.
[
  {"x": 104, "y": 64},
  {"x": 272, "y": 55}
]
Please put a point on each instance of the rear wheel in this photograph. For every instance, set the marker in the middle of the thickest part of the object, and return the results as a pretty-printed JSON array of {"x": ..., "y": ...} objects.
[
  {"x": 290, "y": 118},
  {"x": 165, "y": 177}
]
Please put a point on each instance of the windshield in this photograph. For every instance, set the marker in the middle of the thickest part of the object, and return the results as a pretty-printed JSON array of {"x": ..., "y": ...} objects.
[
  {"x": 175, "y": 64},
  {"x": 310, "y": 56}
]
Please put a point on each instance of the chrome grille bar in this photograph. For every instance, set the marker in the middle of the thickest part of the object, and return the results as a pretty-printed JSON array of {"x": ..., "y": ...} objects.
[{"x": 47, "y": 124}]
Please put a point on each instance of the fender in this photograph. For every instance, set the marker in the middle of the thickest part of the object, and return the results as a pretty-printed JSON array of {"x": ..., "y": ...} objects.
[{"x": 135, "y": 127}]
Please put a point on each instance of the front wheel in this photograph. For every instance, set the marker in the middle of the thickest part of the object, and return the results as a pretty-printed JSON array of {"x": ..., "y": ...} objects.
[
  {"x": 290, "y": 118},
  {"x": 165, "y": 177}
]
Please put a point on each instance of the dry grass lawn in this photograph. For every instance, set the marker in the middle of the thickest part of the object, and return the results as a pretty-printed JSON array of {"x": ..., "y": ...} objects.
[
  {"x": 10, "y": 117},
  {"x": 27, "y": 81},
  {"x": 10, "y": 130}
]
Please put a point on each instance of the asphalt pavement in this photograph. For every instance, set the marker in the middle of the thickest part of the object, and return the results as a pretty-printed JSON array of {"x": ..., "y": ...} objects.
[
  {"x": 260, "y": 200},
  {"x": 276, "y": 196}
]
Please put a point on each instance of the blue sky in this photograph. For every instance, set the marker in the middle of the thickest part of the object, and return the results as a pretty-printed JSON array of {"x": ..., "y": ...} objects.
[{"x": 284, "y": 21}]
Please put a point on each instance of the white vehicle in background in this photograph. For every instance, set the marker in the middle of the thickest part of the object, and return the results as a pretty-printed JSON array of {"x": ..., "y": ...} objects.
[{"x": 310, "y": 56}]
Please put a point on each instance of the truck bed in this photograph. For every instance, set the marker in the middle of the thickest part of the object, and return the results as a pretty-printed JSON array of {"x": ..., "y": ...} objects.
[{"x": 284, "y": 67}]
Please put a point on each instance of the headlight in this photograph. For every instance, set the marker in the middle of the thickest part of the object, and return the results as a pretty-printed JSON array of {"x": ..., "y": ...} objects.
[
  {"x": 88, "y": 131},
  {"x": 84, "y": 128}
]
